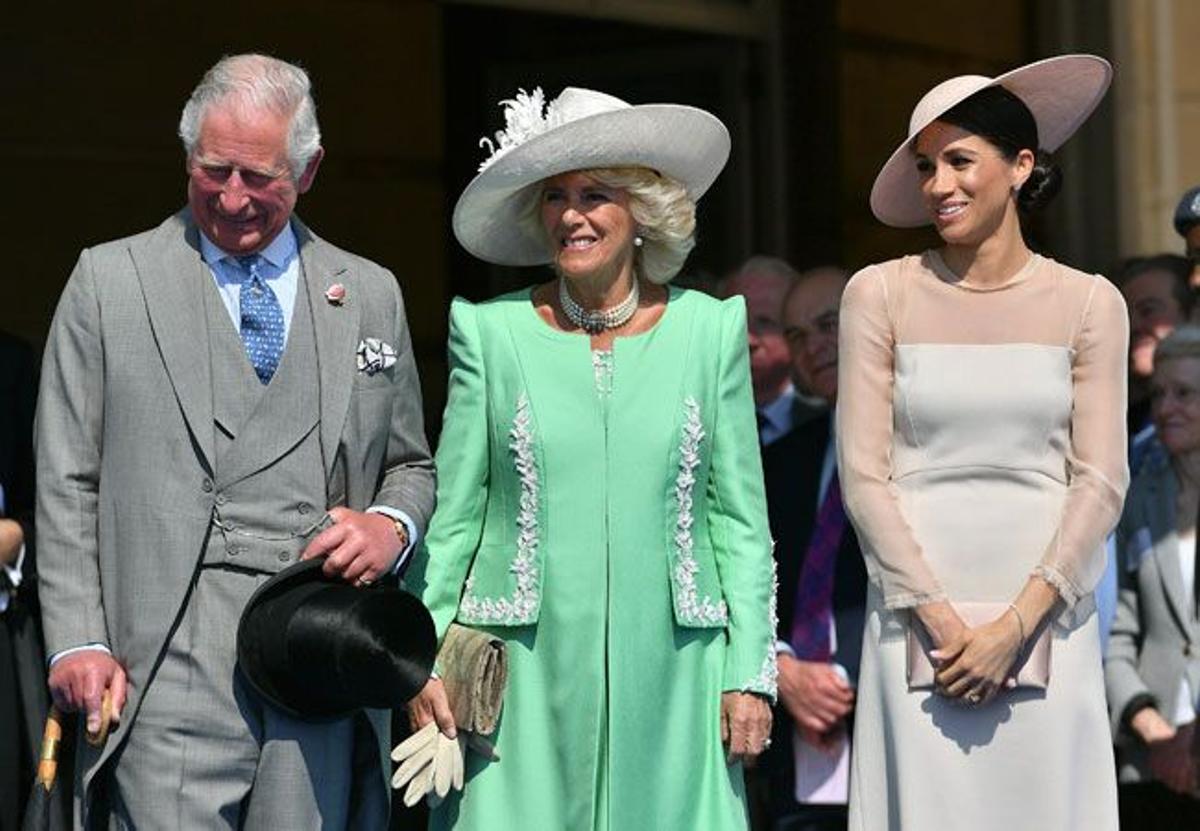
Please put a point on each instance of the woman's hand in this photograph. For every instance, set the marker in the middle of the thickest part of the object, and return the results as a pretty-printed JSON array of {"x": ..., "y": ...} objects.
[
  {"x": 975, "y": 664},
  {"x": 941, "y": 622},
  {"x": 432, "y": 704},
  {"x": 745, "y": 725},
  {"x": 1169, "y": 749}
]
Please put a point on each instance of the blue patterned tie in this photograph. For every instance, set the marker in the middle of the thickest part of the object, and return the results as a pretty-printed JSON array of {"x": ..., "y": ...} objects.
[{"x": 262, "y": 319}]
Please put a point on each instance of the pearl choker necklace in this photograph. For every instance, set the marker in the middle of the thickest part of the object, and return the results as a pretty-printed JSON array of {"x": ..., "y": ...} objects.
[{"x": 595, "y": 322}]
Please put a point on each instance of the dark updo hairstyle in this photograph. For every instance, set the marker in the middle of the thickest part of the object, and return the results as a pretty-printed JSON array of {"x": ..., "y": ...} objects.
[{"x": 1000, "y": 117}]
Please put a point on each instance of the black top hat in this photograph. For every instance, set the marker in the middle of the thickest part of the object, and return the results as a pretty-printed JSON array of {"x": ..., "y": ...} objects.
[{"x": 318, "y": 648}]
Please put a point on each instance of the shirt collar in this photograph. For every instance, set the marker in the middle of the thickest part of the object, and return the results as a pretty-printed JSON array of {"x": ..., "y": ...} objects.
[
  {"x": 278, "y": 253},
  {"x": 779, "y": 411}
]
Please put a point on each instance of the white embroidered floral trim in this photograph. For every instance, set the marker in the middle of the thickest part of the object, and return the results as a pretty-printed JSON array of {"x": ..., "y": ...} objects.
[
  {"x": 524, "y": 119},
  {"x": 767, "y": 680},
  {"x": 523, "y": 605},
  {"x": 690, "y": 607}
]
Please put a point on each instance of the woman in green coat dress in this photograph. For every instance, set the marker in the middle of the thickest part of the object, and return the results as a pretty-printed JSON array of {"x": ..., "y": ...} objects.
[{"x": 600, "y": 500}]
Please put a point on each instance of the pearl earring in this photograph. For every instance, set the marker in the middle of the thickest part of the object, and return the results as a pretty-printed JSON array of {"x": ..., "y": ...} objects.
[{"x": 638, "y": 241}]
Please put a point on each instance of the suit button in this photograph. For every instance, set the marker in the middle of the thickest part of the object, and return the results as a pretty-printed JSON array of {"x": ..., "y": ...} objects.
[
  {"x": 206, "y": 486},
  {"x": 284, "y": 556},
  {"x": 234, "y": 550},
  {"x": 221, "y": 498},
  {"x": 303, "y": 507}
]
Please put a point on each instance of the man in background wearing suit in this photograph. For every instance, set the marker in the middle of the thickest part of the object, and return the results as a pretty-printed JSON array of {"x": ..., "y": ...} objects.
[
  {"x": 764, "y": 282},
  {"x": 221, "y": 396},
  {"x": 22, "y": 663},
  {"x": 822, "y": 580}
]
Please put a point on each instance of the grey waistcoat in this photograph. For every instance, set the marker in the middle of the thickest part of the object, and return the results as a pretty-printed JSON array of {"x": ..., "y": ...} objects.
[{"x": 268, "y": 516}]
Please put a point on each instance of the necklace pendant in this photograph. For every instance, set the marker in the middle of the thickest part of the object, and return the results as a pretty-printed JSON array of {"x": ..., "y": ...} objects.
[{"x": 594, "y": 324}]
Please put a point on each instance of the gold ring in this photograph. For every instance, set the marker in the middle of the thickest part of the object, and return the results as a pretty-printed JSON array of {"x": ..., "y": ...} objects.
[{"x": 974, "y": 698}]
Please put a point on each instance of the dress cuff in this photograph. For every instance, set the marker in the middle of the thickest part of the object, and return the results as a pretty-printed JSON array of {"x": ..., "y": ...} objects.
[{"x": 414, "y": 535}]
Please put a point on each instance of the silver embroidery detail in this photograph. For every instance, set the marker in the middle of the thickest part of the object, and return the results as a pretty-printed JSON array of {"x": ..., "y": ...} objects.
[
  {"x": 690, "y": 607},
  {"x": 767, "y": 680},
  {"x": 522, "y": 606}
]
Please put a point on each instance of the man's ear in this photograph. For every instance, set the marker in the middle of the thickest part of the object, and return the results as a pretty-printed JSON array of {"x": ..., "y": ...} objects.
[{"x": 310, "y": 171}]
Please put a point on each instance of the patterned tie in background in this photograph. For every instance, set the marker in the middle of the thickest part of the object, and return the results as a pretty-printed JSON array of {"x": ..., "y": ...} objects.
[
  {"x": 813, "y": 615},
  {"x": 262, "y": 319}
]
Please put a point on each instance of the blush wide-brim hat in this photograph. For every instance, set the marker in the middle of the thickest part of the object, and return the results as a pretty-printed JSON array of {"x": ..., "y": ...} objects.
[
  {"x": 1060, "y": 92},
  {"x": 581, "y": 129}
]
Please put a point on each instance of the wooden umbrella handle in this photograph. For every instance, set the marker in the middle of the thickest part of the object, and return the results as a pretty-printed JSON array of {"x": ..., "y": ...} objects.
[{"x": 47, "y": 767}]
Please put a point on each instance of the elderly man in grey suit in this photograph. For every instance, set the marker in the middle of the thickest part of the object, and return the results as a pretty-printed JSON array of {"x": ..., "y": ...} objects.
[{"x": 222, "y": 395}]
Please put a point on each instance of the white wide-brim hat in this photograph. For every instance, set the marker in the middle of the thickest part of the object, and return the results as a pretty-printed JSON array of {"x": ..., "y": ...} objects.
[
  {"x": 1060, "y": 92},
  {"x": 581, "y": 129}
]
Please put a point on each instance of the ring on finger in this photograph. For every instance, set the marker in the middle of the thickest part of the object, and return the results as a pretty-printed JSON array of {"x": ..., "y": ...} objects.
[{"x": 362, "y": 582}]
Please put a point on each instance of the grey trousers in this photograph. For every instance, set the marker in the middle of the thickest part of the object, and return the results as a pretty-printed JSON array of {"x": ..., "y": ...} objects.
[{"x": 207, "y": 752}]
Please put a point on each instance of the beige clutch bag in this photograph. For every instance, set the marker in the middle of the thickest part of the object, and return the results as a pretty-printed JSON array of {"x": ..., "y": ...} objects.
[
  {"x": 1033, "y": 663},
  {"x": 474, "y": 669}
]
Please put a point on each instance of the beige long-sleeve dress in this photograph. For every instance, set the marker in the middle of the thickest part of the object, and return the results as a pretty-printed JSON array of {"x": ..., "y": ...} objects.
[{"x": 981, "y": 439}]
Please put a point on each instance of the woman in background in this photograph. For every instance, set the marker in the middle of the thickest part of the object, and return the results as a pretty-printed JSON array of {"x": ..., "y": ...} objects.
[{"x": 1153, "y": 664}]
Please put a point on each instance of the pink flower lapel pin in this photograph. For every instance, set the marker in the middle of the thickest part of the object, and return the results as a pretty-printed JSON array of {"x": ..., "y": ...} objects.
[{"x": 336, "y": 294}]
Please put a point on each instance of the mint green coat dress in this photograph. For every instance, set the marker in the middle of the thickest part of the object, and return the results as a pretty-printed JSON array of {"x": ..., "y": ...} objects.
[{"x": 611, "y": 528}]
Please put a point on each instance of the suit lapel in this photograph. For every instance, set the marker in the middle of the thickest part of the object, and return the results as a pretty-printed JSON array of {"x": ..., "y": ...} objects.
[
  {"x": 1161, "y": 497},
  {"x": 171, "y": 272},
  {"x": 335, "y": 328}
]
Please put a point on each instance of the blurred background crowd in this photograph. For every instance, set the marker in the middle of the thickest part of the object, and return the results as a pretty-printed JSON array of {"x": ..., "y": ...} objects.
[{"x": 815, "y": 94}]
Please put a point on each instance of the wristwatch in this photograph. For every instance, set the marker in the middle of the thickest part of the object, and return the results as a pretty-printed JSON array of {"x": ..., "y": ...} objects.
[{"x": 401, "y": 532}]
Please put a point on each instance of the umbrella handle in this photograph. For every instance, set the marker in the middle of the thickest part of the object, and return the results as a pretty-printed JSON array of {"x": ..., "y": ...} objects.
[{"x": 48, "y": 760}]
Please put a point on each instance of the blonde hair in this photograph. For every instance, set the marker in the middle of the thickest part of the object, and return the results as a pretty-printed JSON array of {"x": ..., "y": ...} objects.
[
  {"x": 660, "y": 205},
  {"x": 1184, "y": 342}
]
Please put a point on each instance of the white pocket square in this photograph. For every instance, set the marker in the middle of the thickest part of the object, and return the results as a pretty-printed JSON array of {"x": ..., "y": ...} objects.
[{"x": 373, "y": 355}]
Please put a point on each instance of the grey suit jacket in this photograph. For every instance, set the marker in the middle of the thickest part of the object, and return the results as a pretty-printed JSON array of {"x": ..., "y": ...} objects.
[
  {"x": 1155, "y": 640},
  {"x": 125, "y": 437}
]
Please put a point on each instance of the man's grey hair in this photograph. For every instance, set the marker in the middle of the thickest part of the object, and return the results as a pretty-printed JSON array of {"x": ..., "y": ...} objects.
[{"x": 258, "y": 82}]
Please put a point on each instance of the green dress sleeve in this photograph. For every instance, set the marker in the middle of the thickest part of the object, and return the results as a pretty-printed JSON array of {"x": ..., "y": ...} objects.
[
  {"x": 738, "y": 516},
  {"x": 440, "y": 568}
]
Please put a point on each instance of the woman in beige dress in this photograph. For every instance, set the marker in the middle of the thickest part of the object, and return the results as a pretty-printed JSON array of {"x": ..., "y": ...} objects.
[{"x": 982, "y": 456}]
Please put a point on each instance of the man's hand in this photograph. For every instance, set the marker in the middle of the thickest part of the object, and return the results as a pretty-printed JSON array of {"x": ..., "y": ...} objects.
[
  {"x": 815, "y": 695},
  {"x": 78, "y": 682},
  {"x": 12, "y": 537},
  {"x": 361, "y": 547}
]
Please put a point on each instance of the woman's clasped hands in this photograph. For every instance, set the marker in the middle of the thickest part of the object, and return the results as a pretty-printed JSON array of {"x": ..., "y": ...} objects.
[{"x": 973, "y": 664}]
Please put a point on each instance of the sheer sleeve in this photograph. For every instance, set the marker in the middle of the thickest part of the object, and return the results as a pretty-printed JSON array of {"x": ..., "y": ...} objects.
[
  {"x": 1097, "y": 467},
  {"x": 866, "y": 340}
]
